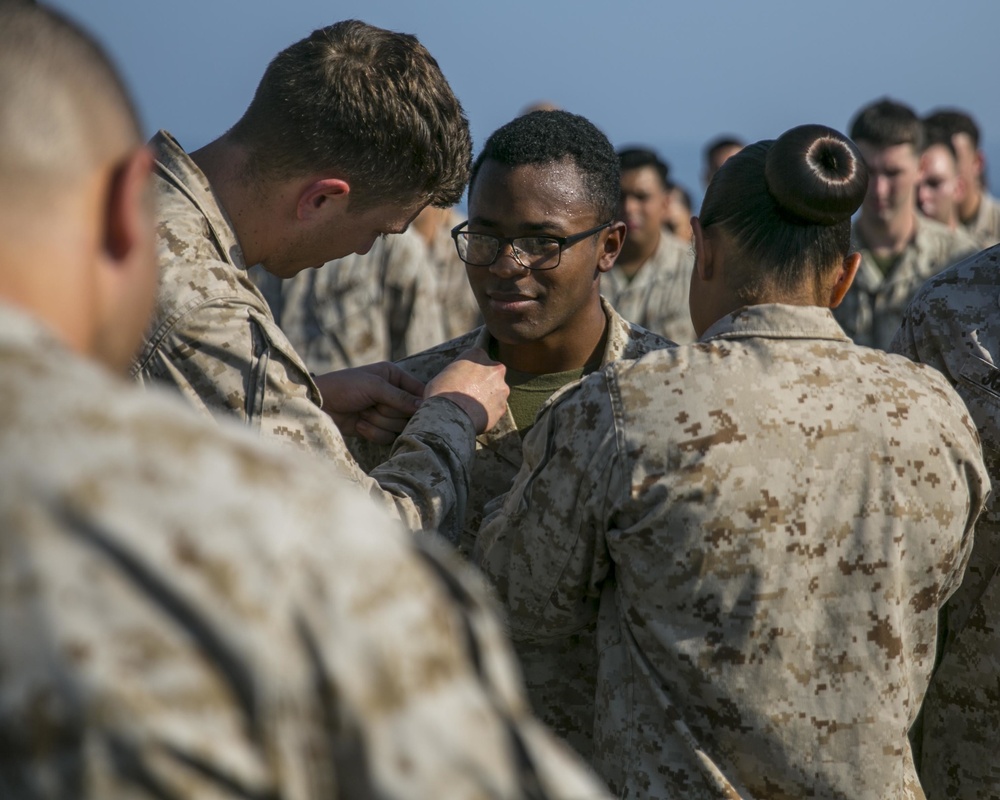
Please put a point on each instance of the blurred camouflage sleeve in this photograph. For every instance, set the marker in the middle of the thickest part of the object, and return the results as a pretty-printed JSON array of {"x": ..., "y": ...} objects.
[{"x": 953, "y": 325}]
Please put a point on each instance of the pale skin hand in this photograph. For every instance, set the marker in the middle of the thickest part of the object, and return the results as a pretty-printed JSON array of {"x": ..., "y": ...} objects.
[
  {"x": 475, "y": 383},
  {"x": 374, "y": 401}
]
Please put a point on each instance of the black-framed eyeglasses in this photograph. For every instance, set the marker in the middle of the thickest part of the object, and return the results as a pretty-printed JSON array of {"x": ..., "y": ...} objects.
[{"x": 531, "y": 252}]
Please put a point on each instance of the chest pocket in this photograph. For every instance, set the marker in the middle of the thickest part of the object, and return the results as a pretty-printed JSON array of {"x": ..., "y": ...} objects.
[{"x": 274, "y": 362}]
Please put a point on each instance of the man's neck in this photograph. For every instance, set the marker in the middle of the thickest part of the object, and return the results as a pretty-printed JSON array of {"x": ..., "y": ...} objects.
[
  {"x": 969, "y": 209},
  {"x": 223, "y": 164},
  {"x": 888, "y": 238},
  {"x": 561, "y": 351},
  {"x": 632, "y": 256}
]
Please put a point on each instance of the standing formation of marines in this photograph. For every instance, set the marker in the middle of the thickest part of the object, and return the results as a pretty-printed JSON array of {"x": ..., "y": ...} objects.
[{"x": 738, "y": 554}]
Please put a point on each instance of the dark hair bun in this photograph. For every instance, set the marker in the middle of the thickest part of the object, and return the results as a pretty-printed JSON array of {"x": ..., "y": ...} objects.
[{"x": 816, "y": 174}]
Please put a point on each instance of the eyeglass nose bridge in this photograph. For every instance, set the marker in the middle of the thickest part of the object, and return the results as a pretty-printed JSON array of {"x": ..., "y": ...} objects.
[{"x": 503, "y": 244}]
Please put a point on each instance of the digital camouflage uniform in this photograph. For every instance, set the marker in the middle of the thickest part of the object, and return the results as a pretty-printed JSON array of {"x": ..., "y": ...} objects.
[
  {"x": 764, "y": 524},
  {"x": 461, "y": 311},
  {"x": 186, "y": 612},
  {"x": 360, "y": 309},
  {"x": 657, "y": 296},
  {"x": 953, "y": 325},
  {"x": 559, "y": 678},
  {"x": 874, "y": 305},
  {"x": 985, "y": 226},
  {"x": 214, "y": 339}
]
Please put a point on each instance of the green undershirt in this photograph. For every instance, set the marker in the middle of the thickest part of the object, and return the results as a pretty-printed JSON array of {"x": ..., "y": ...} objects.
[{"x": 528, "y": 392}]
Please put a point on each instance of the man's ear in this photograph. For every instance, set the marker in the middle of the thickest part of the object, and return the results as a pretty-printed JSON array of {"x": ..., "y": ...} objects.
[
  {"x": 128, "y": 213},
  {"x": 612, "y": 246},
  {"x": 702, "y": 251},
  {"x": 844, "y": 279},
  {"x": 317, "y": 197}
]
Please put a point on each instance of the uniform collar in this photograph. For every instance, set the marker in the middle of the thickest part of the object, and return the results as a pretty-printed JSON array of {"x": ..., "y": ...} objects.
[
  {"x": 777, "y": 321},
  {"x": 177, "y": 168}
]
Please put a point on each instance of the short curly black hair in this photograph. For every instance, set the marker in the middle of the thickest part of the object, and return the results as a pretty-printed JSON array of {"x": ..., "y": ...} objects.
[{"x": 543, "y": 137}]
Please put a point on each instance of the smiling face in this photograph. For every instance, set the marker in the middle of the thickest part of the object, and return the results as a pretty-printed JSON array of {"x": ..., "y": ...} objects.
[{"x": 557, "y": 310}]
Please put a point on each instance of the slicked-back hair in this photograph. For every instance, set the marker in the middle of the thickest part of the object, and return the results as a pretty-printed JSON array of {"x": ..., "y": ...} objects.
[
  {"x": 630, "y": 158},
  {"x": 948, "y": 122},
  {"x": 545, "y": 137},
  {"x": 63, "y": 105},
  {"x": 787, "y": 205},
  {"x": 886, "y": 123},
  {"x": 368, "y": 103}
]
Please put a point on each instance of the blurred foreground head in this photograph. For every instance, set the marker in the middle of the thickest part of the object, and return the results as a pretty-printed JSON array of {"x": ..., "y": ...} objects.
[{"x": 76, "y": 232}]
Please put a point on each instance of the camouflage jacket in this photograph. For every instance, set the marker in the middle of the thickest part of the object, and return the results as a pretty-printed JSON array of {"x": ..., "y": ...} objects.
[
  {"x": 213, "y": 338},
  {"x": 560, "y": 676},
  {"x": 657, "y": 297},
  {"x": 458, "y": 303},
  {"x": 874, "y": 305},
  {"x": 953, "y": 325},
  {"x": 985, "y": 226},
  {"x": 765, "y": 525},
  {"x": 380, "y": 306},
  {"x": 187, "y": 612}
]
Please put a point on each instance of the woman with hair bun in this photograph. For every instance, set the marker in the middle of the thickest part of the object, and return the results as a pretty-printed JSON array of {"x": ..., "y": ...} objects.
[{"x": 764, "y": 524}]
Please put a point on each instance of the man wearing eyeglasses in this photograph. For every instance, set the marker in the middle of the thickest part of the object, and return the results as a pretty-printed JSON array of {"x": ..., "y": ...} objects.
[{"x": 542, "y": 229}]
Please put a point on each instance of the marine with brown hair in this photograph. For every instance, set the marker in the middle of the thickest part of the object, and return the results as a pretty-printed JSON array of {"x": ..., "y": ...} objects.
[
  {"x": 351, "y": 132},
  {"x": 764, "y": 524}
]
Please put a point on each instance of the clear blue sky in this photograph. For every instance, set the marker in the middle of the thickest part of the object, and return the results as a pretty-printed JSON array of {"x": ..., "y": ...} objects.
[{"x": 663, "y": 73}]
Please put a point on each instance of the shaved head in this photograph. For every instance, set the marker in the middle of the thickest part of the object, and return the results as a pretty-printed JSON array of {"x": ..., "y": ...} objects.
[
  {"x": 76, "y": 228},
  {"x": 63, "y": 108}
]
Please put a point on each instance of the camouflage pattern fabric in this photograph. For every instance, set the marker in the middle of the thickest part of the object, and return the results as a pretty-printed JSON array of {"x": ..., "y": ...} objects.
[
  {"x": 874, "y": 305},
  {"x": 657, "y": 296},
  {"x": 214, "y": 340},
  {"x": 460, "y": 309},
  {"x": 985, "y": 226},
  {"x": 764, "y": 525},
  {"x": 360, "y": 309},
  {"x": 187, "y": 612},
  {"x": 953, "y": 325},
  {"x": 559, "y": 676}
]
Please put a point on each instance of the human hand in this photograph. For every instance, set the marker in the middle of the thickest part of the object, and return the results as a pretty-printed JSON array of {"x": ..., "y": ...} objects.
[
  {"x": 474, "y": 382},
  {"x": 374, "y": 401}
]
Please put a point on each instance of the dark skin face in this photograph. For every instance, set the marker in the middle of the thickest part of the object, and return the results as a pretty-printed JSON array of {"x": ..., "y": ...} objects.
[{"x": 543, "y": 321}]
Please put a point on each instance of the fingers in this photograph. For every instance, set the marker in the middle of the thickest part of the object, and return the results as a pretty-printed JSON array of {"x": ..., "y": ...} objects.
[
  {"x": 396, "y": 376},
  {"x": 476, "y": 384}
]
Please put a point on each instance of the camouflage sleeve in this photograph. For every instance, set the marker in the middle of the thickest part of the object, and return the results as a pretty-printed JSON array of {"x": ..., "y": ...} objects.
[
  {"x": 543, "y": 544},
  {"x": 230, "y": 356},
  {"x": 414, "y": 314},
  {"x": 323, "y": 656}
]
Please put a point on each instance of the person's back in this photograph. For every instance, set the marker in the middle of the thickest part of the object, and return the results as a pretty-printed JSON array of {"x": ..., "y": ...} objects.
[
  {"x": 765, "y": 523},
  {"x": 189, "y": 614},
  {"x": 953, "y": 325}
]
